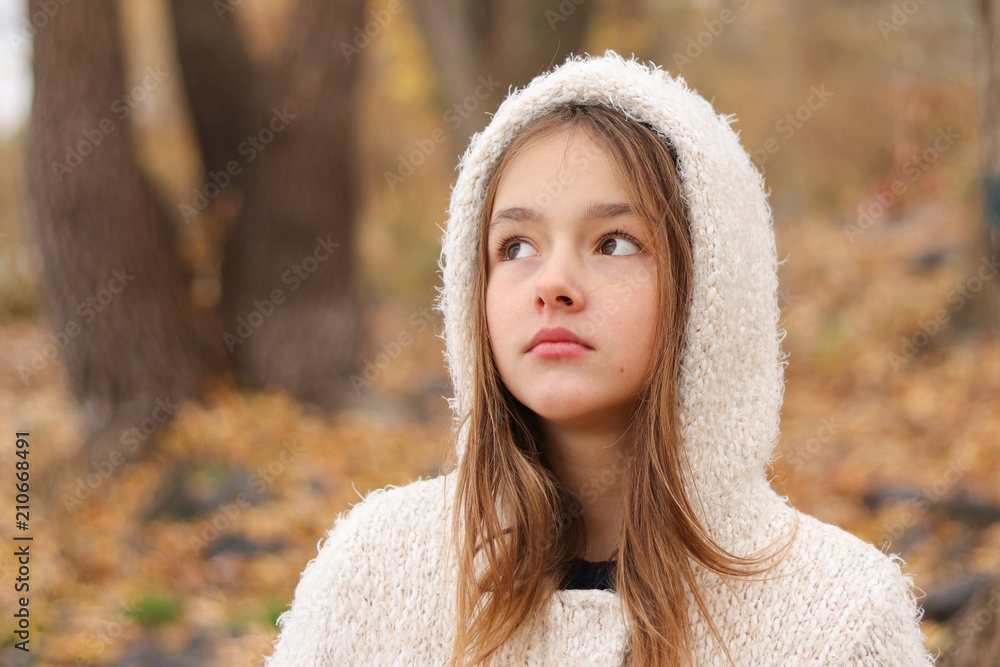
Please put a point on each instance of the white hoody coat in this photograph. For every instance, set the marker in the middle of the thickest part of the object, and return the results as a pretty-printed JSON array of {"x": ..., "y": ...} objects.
[{"x": 381, "y": 591}]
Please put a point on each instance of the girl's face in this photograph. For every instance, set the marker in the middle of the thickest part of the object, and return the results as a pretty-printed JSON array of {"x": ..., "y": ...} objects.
[{"x": 565, "y": 251}]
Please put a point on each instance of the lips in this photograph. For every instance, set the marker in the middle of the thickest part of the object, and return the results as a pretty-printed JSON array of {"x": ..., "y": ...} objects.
[{"x": 557, "y": 338}]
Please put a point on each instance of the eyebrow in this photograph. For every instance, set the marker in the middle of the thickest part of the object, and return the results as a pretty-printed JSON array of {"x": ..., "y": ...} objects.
[{"x": 594, "y": 211}]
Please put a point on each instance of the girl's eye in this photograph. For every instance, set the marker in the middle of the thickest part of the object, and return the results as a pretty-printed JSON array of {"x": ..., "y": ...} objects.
[
  {"x": 619, "y": 243},
  {"x": 513, "y": 248}
]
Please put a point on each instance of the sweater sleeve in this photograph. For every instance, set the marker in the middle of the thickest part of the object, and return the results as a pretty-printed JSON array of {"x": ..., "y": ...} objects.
[
  {"x": 314, "y": 621},
  {"x": 891, "y": 632}
]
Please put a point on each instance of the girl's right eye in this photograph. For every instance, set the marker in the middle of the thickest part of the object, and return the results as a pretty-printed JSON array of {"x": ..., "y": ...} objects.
[{"x": 513, "y": 248}]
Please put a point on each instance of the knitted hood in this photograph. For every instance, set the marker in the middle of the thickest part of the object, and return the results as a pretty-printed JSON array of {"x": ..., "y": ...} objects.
[{"x": 731, "y": 380}]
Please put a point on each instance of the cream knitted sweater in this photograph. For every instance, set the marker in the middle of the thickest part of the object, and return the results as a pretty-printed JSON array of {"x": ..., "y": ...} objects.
[{"x": 381, "y": 590}]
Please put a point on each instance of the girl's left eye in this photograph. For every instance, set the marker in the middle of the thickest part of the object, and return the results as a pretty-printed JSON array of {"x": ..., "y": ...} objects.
[{"x": 619, "y": 243}]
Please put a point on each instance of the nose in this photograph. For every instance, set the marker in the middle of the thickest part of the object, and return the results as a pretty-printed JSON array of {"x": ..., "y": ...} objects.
[{"x": 556, "y": 286}]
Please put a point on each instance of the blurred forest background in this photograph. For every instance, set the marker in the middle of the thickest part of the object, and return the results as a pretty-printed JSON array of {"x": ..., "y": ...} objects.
[{"x": 218, "y": 244}]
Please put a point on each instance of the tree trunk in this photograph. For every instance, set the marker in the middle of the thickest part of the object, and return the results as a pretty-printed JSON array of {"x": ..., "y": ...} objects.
[
  {"x": 480, "y": 47},
  {"x": 114, "y": 289},
  {"x": 980, "y": 316},
  {"x": 219, "y": 79},
  {"x": 289, "y": 309}
]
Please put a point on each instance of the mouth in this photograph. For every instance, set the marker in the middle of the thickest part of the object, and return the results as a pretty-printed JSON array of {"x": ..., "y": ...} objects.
[{"x": 557, "y": 342}]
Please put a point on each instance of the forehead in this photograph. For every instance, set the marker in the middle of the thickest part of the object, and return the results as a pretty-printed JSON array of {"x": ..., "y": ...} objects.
[
  {"x": 558, "y": 145},
  {"x": 555, "y": 167}
]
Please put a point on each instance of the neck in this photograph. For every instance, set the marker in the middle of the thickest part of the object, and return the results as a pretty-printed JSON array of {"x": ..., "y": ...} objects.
[{"x": 592, "y": 463}]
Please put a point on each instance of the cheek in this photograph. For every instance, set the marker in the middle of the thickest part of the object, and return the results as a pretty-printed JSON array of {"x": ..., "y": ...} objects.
[
  {"x": 497, "y": 326},
  {"x": 495, "y": 320},
  {"x": 491, "y": 309},
  {"x": 638, "y": 317}
]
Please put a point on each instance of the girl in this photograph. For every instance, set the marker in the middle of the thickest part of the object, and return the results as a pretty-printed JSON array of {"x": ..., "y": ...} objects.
[{"x": 611, "y": 318}]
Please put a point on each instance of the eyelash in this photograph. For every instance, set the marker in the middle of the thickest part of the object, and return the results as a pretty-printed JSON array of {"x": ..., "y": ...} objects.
[{"x": 613, "y": 233}]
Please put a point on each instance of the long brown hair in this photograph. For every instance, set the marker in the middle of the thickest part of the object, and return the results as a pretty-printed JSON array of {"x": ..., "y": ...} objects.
[{"x": 517, "y": 526}]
